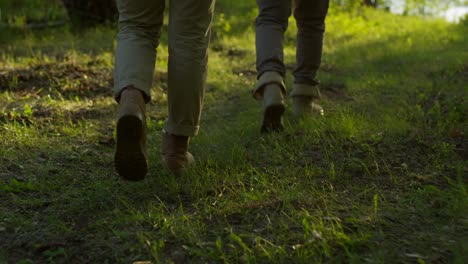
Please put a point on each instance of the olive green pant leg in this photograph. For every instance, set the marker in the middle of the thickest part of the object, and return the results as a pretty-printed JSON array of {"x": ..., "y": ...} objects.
[
  {"x": 189, "y": 34},
  {"x": 271, "y": 23},
  {"x": 140, "y": 23},
  {"x": 310, "y": 19}
]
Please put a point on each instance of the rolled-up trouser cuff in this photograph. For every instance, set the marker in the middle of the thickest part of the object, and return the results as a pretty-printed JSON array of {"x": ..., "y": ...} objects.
[
  {"x": 266, "y": 79},
  {"x": 300, "y": 89},
  {"x": 180, "y": 130},
  {"x": 141, "y": 85}
]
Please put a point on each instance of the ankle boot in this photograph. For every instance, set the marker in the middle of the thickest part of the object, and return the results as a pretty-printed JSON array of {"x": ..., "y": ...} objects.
[
  {"x": 175, "y": 155},
  {"x": 273, "y": 108},
  {"x": 304, "y": 106},
  {"x": 130, "y": 155}
]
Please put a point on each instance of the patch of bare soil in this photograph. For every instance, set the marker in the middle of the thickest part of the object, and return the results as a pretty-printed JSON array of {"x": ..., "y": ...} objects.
[
  {"x": 43, "y": 115},
  {"x": 335, "y": 92},
  {"x": 66, "y": 79},
  {"x": 463, "y": 72},
  {"x": 245, "y": 73}
]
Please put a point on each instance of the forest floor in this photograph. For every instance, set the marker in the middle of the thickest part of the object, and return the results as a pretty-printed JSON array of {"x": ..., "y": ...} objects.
[{"x": 380, "y": 178}]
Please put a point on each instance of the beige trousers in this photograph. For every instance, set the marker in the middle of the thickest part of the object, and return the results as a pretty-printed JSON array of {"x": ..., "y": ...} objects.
[{"x": 140, "y": 23}]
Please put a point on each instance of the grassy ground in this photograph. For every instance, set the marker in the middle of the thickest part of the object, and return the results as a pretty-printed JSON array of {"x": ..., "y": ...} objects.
[{"x": 381, "y": 178}]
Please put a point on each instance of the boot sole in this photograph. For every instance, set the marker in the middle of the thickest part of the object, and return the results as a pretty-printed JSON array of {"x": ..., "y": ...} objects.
[
  {"x": 130, "y": 160},
  {"x": 272, "y": 119}
]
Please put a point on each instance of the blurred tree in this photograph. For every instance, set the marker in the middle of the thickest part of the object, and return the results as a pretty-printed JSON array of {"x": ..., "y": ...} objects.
[
  {"x": 373, "y": 3},
  {"x": 85, "y": 13}
]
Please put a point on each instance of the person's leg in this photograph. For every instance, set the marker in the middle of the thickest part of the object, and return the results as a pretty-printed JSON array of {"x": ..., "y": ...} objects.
[
  {"x": 189, "y": 35},
  {"x": 140, "y": 23},
  {"x": 270, "y": 25},
  {"x": 310, "y": 18}
]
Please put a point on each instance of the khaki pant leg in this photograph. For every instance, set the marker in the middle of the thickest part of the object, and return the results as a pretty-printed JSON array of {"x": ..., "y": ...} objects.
[
  {"x": 189, "y": 34},
  {"x": 140, "y": 23}
]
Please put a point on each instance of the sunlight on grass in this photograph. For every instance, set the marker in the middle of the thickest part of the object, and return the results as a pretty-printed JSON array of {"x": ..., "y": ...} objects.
[{"x": 379, "y": 178}]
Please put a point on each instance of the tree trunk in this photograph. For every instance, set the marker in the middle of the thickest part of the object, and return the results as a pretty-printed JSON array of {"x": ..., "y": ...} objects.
[
  {"x": 85, "y": 13},
  {"x": 372, "y": 3}
]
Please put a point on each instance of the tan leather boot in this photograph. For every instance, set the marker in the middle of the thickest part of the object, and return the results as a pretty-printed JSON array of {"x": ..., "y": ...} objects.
[
  {"x": 130, "y": 155},
  {"x": 273, "y": 108},
  {"x": 305, "y": 106},
  {"x": 174, "y": 151}
]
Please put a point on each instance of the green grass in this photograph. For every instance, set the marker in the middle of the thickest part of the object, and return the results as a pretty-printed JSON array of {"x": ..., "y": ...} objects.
[{"x": 381, "y": 178}]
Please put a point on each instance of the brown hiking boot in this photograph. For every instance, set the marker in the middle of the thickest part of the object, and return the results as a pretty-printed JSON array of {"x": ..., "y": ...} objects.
[
  {"x": 305, "y": 106},
  {"x": 174, "y": 151},
  {"x": 273, "y": 108},
  {"x": 130, "y": 155}
]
